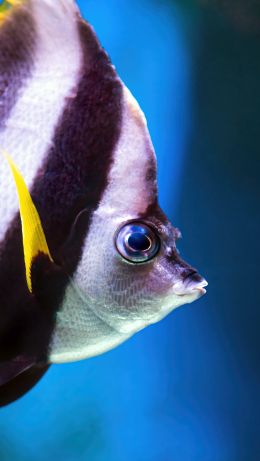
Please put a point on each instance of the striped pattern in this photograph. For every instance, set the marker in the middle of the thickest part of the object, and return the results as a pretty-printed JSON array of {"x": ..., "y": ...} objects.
[
  {"x": 17, "y": 40},
  {"x": 61, "y": 127},
  {"x": 53, "y": 60},
  {"x": 82, "y": 144},
  {"x": 86, "y": 324},
  {"x": 132, "y": 182},
  {"x": 74, "y": 174}
]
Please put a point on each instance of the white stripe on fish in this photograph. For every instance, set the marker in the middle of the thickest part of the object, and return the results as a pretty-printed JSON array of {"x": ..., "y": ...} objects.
[
  {"x": 134, "y": 153},
  {"x": 29, "y": 130}
]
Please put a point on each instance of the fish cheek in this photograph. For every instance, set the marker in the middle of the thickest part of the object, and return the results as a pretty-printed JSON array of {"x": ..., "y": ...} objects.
[{"x": 134, "y": 288}]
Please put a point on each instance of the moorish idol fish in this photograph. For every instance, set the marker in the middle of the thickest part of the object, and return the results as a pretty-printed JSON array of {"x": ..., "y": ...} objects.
[{"x": 87, "y": 257}]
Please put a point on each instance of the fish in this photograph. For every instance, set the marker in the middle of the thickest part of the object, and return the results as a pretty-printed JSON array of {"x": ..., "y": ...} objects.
[{"x": 87, "y": 256}]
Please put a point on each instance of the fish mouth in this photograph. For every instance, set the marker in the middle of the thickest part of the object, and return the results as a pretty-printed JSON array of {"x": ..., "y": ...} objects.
[{"x": 190, "y": 287}]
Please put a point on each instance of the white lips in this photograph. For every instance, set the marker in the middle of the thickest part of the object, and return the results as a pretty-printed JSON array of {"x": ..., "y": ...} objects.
[{"x": 182, "y": 289}]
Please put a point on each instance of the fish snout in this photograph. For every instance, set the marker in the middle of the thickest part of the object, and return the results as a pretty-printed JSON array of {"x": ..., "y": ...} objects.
[{"x": 193, "y": 284}]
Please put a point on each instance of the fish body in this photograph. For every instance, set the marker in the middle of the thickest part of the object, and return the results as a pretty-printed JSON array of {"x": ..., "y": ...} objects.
[{"x": 87, "y": 257}]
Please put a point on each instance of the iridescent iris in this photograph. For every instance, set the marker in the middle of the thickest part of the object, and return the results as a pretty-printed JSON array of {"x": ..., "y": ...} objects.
[{"x": 137, "y": 242}]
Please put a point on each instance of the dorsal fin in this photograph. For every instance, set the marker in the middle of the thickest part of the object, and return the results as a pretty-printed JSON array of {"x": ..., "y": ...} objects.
[{"x": 34, "y": 240}]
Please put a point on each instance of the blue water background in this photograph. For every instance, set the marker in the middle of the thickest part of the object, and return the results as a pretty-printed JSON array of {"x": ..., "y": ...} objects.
[{"x": 185, "y": 389}]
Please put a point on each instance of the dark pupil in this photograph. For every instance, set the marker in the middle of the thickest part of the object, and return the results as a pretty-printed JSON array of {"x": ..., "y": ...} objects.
[{"x": 139, "y": 242}]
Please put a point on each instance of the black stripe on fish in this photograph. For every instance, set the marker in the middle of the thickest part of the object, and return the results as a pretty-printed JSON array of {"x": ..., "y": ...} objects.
[
  {"x": 73, "y": 178},
  {"x": 20, "y": 383},
  {"x": 157, "y": 217},
  {"x": 17, "y": 45},
  {"x": 75, "y": 173},
  {"x": 27, "y": 320}
]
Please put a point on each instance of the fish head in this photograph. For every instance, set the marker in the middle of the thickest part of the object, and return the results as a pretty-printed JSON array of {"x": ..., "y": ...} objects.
[
  {"x": 131, "y": 271},
  {"x": 137, "y": 276}
]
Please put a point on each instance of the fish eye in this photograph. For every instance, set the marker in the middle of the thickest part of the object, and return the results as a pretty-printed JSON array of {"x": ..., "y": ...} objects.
[{"x": 136, "y": 242}]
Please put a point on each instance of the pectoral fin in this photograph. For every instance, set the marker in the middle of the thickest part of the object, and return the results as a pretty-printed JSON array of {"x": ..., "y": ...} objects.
[{"x": 34, "y": 240}]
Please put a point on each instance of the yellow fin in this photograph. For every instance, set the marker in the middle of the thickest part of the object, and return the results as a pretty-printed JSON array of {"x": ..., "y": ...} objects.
[{"x": 34, "y": 240}]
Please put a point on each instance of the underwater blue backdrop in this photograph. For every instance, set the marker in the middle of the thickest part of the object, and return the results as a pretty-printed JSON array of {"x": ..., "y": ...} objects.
[{"x": 186, "y": 389}]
